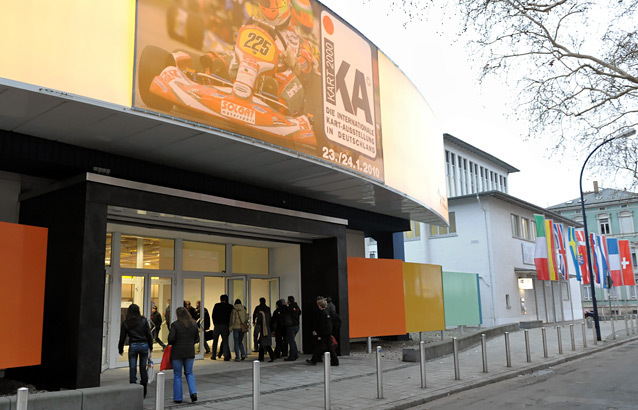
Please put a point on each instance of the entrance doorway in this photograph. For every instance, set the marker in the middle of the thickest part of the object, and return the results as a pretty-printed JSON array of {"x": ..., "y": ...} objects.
[{"x": 146, "y": 291}]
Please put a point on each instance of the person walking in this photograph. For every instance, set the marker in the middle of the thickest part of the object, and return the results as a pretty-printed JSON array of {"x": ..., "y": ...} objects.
[
  {"x": 156, "y": 319},
  {"x": 256, "y": 328},
  {"x": 183, "y": 337},
  {"x": 140, "y": 341},
  {"x": 265, "y": 336},
  {"x": 221, "y": 320},
  {"x": 238, "y": 317},
  {"x": 278, "y": 324},
  {"x": 322, "y": 332},
  {"x": 336, "y": 323},
  {"x": 294, "y": 312}
]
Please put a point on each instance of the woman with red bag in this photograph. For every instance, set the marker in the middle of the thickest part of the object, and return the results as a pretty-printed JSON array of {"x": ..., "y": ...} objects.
[
  {"x": 183, "y": 336},
  {"x": 140, "y": 341}
]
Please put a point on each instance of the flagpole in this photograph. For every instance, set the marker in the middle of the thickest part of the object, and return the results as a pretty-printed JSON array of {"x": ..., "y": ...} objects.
[{"x": 582, "y": 205}]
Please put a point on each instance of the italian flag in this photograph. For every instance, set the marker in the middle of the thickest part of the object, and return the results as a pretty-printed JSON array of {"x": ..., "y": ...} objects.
[
  {"x": 540, "y": 250},
  {"x": 551, "y": 251}
]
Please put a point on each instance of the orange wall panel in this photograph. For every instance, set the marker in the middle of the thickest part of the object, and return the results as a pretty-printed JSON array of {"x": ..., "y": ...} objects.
[
  {"x": 375, "y": 293},
  {"x": 23, "y": 252}
]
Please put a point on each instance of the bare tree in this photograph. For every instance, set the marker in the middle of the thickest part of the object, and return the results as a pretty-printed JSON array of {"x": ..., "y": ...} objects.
[{"x": 574, "y": 64}]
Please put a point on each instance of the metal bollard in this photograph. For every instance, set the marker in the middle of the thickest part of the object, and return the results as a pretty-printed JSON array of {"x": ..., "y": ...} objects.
[
  {"x": 422, "y": 354},
  {"x": 484, "y": 346},
  {"x": 544, "y": 333},
  {"x": 159, "y": 391},
  {"x": 457, "y": 368},
  {"x": 527, "y": 348},
  {"x": 593, "y": 330},
  {"x": 326, "y": 380},
  {"x": 584, "y": 335},
  {"x": 256, "y": 384},
  {"x": 560, "y": 340},
  {"x": 369, "y": 345},
  {"x": 626, "y": 325},
  {"x": 23, "y": 398},
  {"x": 633, "y": 329},
  {"x": 571, "y": 333},
  {"x": 508, "y": 356},
  {"x": 613, "y": 328},
  {"x": 379, "y": 375}
]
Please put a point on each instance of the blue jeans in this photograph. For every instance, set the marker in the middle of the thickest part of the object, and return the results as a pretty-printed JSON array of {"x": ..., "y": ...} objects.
[
  {"x": 238, "y": 337},
  {"x": 187, "y": 364},
  {"x": 291, "y": 332},
  {"x": 134, "y": 350}
]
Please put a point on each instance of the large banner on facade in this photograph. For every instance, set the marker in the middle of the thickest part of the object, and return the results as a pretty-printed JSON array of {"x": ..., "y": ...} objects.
[{"x": 286, "y": 72}]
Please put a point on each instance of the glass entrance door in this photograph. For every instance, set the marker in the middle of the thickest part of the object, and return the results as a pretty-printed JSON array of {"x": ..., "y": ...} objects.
[
  {"x": 147, "y": 291},
  {"x": 106, "y": 320}
]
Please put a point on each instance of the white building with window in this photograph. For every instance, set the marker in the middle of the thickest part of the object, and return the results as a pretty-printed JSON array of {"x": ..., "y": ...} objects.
[{"x": 492, "y": 233}]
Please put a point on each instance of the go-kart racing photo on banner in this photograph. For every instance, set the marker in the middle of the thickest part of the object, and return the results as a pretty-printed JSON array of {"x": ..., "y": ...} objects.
[{"x": 287, "y": 72}]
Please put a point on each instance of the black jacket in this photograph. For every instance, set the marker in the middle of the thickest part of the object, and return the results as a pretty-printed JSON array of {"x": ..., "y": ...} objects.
[
  {"x": 183, "y": 340},
  {"x": 156, "y": 318},
  {"x": 323, "y": 324},
  {"x": 258, "y": 309},
  {"x": 294, "y": 312},
  {"x": 221, "y": 313},
  {"x": 138, "y": 334}
]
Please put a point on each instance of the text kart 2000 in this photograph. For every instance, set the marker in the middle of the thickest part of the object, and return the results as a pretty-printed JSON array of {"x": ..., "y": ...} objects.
[{"x": 170, "y": 79}]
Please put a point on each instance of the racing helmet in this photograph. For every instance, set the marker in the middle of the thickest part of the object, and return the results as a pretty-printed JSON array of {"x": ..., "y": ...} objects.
[
  {"x": 276, "y": 12},
  {"x": 302, "y": 14}
]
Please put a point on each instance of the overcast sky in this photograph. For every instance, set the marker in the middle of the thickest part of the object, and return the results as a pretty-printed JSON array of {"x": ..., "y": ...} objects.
[{"x": 442, "y": 71}]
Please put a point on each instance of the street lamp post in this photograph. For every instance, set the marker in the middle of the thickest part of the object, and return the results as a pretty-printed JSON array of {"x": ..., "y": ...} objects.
[{"x": 582, "y": 206}]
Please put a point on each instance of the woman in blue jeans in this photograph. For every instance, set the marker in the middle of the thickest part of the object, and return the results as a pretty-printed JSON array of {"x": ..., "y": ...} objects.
[
  {"x": 183, "y": 336},
  {"x": 140, "y": 341},
  {"x": 238, "y": 316}
]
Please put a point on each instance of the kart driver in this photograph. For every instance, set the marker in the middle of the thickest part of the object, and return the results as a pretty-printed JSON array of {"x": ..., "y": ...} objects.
[{"x": 296, "y": 52}]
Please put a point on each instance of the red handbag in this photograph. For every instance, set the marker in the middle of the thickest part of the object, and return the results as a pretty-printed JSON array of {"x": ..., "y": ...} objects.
[{"x": 167, "y": 364}]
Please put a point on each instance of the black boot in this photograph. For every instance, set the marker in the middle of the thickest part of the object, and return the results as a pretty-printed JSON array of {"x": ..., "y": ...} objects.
[{"x": 145, "y": 391}]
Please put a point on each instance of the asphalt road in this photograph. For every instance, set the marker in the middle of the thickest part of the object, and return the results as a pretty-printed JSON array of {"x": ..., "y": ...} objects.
[{"x": 605, "y": 380}]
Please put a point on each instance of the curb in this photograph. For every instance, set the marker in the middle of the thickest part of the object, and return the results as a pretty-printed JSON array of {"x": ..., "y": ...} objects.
[{"x": 408, "y": 403}]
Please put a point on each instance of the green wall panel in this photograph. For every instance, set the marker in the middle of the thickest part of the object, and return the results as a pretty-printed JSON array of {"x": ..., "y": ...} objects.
[{"x": 461, "y": 299}]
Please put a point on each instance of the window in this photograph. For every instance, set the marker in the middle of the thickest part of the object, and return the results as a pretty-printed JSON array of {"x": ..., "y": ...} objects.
[
  {"x": 525, "y": 234},
  {"x": 444, "y": 230},
  {"x": 203, "y": 257},
  {"x": 603, "y": 224},
  {"x": 147, "y": 253},
  {"x": 472, "y": 179},
  {"x": 414, "y": 232},
  {"x": 532, "y": 232},
  {"x": 626, "y": 221},
  {"x": 634, "y": 260},
  {"x": 586, "y": 292},
  {"x": 516, "y": 226},
  {"x": 612, "y": 292},
  {"x": 632, "y": 292}
]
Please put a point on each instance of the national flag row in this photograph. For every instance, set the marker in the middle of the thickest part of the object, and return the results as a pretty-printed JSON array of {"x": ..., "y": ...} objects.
[{"x": 557, "y": 255}]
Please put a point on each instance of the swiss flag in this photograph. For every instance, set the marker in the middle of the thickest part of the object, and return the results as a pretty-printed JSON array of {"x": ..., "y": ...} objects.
[
  {"x": 625, "y": 263},
  {"x": 613, "y": 257}
]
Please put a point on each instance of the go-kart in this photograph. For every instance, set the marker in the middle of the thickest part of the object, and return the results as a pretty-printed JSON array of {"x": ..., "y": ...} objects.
[{"x": 248, "y": 99}]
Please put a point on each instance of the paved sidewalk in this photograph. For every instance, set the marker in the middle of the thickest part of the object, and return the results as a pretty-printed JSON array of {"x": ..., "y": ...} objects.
[{"x": 295, "y": 385}]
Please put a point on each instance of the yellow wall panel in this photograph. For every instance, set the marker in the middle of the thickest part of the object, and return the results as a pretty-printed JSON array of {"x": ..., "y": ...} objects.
[
  {"x": 76, "y": 46},
  {"x": 423, "y": 289}
]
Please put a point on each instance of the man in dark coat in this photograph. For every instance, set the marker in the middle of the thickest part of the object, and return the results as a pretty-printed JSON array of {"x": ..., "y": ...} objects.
[
  {"x": 256, "y": 327},
  {"x": 278, "y": 323},
  {"x": 156, "y": 319},
  {"x": 221, "y": 320},
  {"x": 322, "y": 333},
  {"x": 292, "y": 328}
]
